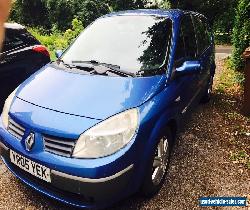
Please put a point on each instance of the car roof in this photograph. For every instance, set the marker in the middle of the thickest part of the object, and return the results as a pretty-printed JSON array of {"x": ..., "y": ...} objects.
[
  {"x": 14, "y": 26},
  {"x": 170, "y": 13}
]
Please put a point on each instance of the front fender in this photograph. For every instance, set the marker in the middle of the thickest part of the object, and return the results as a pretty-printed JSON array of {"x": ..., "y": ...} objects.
[{"x": 155, "y": 116}]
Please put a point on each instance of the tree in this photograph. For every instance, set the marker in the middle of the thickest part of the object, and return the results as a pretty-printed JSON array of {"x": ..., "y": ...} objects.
[
  {"x": 89, "y": 10},
  {"x": 57, "y": 13},
  {"x": 32, "y": 13},
  {"x": 162, "y": 4},
  {"x": 60, "y": 13},
  {"x": 241, "y": 33},
  {"x": 210, "y": 8},
  {"x": 118, "y": 5}
]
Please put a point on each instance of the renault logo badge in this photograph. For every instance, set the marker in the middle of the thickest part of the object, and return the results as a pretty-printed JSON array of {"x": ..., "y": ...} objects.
[{"x": 29, "y": 141}]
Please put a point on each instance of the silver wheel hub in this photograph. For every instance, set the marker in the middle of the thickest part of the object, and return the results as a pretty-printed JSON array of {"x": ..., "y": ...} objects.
[
  {"x": 160, "y": 161},
  {"x": 209, "y": 91}
]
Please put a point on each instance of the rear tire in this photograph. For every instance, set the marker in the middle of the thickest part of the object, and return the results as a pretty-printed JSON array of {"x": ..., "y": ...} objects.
[
  {"x": 208, "y": 92},
  {"x": 158, "y": 166}
]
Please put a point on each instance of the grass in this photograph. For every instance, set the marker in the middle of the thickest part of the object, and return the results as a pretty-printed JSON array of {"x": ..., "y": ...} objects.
[
  {"x": 241, "y": 157},
  {"x": 230, "y": 85},
  {"x": 230, "y": 81}
]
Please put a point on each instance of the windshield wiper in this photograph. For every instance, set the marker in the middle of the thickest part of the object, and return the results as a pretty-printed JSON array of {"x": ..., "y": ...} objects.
[
  {"x": 110, "y": 67},
  {"x": 145, "y": 73},
  {"x": 88, "y": 69}
]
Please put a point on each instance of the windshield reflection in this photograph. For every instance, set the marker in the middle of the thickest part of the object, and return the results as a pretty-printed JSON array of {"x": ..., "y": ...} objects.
[{"x": 135, "y": 43}]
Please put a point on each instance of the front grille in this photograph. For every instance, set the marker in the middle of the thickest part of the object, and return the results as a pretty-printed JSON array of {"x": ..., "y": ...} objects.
[
  {"x": 15, "y": 129},
  {"x": 59, "y": 146}
]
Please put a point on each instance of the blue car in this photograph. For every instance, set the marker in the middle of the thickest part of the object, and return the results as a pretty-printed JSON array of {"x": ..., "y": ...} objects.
[{"x": 98, "y": 124}]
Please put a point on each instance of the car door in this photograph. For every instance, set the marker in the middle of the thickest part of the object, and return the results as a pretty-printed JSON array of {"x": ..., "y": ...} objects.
[{"x": 186, "y": 50}]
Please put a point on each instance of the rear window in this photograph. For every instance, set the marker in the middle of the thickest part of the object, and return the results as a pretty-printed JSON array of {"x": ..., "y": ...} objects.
[{"x": 15, "y": 39}]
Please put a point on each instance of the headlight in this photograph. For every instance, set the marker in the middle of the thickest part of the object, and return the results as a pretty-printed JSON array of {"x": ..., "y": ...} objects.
[
  {"x": 6, "y": 109},
  {"x": 108, "y": 136}
]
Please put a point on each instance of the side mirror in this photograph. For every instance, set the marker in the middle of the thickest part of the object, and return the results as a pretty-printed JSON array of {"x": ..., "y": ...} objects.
[
  {"x": 58, "y": 53},
  {"x": 189, "y": 67}
]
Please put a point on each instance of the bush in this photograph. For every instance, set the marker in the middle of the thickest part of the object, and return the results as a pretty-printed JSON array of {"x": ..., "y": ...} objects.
[
  {"x": 58, "y": 40},
  {"x": 222, "y": 38},
  {"x": 241, "y": 33}
]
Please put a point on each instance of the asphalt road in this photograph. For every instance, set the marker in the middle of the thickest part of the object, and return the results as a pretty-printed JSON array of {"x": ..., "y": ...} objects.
[{"x": 223, "y": 52}]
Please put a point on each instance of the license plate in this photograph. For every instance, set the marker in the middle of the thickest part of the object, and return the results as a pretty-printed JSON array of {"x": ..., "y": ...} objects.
[{"x": 30, "y": 166}]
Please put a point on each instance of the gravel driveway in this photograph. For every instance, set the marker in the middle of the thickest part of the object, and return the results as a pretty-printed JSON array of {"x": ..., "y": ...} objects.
[{"x": 200, "y": 166}]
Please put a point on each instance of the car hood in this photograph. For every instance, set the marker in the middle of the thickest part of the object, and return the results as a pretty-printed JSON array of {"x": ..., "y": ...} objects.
[{"x": 92, "y": 96}]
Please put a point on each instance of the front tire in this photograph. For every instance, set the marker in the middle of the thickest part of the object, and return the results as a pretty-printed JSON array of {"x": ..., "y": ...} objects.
[{"x": 158, "y": 166}]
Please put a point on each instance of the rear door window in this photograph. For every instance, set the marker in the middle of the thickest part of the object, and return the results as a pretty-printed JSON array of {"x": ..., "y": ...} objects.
[{"x": 202, "y": 34}]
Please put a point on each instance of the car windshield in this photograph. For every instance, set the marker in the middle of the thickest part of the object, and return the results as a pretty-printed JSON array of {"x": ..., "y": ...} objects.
[{"x": 133, "y": 43}]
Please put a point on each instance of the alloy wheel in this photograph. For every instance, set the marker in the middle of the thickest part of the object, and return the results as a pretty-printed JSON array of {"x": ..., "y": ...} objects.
[{"x": 160, "y": 161}]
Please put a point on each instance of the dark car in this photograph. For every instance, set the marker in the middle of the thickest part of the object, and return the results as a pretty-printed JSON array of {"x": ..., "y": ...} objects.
[{"x": 21, "y": 56}]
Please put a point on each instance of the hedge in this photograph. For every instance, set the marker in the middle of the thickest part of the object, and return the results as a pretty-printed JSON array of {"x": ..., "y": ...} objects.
[{"x": 241, "y": 33}]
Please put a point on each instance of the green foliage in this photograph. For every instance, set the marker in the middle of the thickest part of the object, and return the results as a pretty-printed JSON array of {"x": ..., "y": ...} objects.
[
  {"x": 165, "y": 5},
  {"x": 118, "y": 5},
  {"x": 241, "y": 33},
  {"x": 90, "y": 10},
  {"x": 230, "y": 81},
  {"x": 57, "y": 13},
  {"x": 241, "y": 157},
  {"x": 223, "y": 24},
  {"x": 212, "y": 9},
  {"x": 57, "y": 40},
  {"x": 71, "y": 34},
  {"x": 60, "y": 13},
  {"x": 221, "y": 37},
  {"x": 31, "y": 13},
  {"x": 220, "y": 14},
  {"x": 162, "y": 4}
]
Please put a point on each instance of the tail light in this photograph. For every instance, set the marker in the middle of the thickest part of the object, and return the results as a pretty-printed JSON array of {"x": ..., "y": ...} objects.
[{"x": 41, "y": 49}]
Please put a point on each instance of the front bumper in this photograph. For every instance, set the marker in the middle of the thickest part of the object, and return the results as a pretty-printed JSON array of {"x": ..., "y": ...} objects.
[{"x": 74, "y": 190}]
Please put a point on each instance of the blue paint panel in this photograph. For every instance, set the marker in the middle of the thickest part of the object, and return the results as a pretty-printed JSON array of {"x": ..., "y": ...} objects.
[{"x": 93, "y": 96}]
